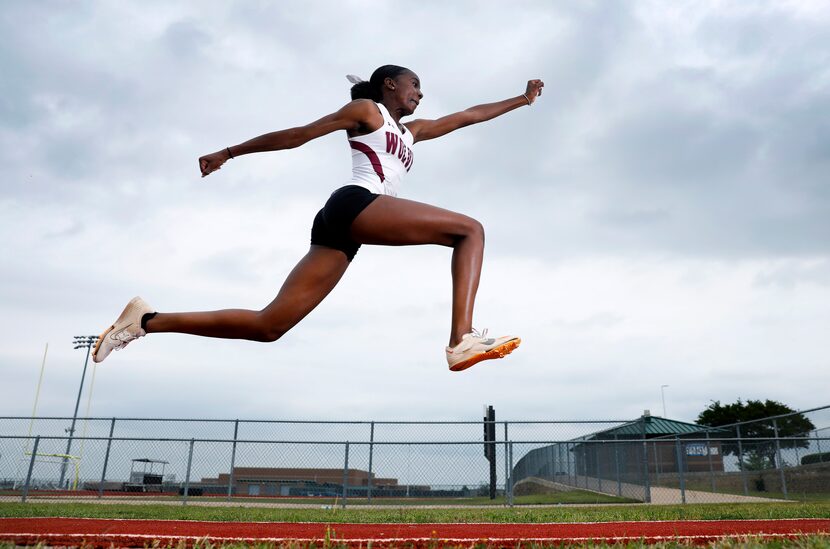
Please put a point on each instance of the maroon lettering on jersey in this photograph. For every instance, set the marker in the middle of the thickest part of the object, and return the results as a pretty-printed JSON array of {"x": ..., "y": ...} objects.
[
  {"x": 392, "y": 141},
  {"x": 396, "y": 147}
]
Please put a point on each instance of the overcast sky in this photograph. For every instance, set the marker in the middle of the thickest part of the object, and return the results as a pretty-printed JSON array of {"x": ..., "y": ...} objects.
[{"x": 660, "y": 216}]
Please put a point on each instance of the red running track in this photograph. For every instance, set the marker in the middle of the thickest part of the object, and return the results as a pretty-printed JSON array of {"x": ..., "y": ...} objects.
[{"x": 138, "y": 533}]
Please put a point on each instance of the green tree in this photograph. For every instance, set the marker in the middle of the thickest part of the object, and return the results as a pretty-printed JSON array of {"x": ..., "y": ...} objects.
[{"x": 762, "y": 453}]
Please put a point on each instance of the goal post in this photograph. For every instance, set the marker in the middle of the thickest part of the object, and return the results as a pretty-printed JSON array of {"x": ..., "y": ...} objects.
[{"x": 58, "y": 460}]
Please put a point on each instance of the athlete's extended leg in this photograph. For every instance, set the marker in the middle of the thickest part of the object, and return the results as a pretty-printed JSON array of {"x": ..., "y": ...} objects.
[
  {"x": 398, "y": 222},
  {"x": 309, "y": 282}
]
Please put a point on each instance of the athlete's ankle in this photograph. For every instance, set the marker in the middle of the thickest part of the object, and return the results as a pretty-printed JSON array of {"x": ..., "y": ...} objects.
[
  {"x": 145, "y": 321},
  {"x": 457, "y": 337}
]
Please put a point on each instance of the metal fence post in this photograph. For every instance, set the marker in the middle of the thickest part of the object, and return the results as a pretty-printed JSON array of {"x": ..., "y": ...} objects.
[
  {"x": 507, "y": 472},
  {"x": 233, "y": 458},
  {"x": 741, "y": 460},
  {"x": 779, "y": 463},
  {"x": 571, "y": 458},
  {"x": 646, "y": 479},
  {"x": 408, "y": 462},
  {"x": 509, "y": 479},
  {"x": 656, "y": 464},
  {"x": 617, "y": 464},
  {"x": 709, "y": 458},
  {"x": 345, "y": 478},
  {"x": 371, "y": 455},
  {"x": 550, "y": 461},
  {"x": 187, "y": 476},
  {"x": 680, "y": 468},
  {"x": 29, "y": 474},
  {"x": 818, "y": 446},
  {"x": 106, "y": 460},
  {"x": 585, "y": 463}
]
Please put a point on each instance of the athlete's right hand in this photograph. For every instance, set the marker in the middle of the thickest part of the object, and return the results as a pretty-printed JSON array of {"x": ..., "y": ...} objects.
[
  {"x": 212, "y": 162},
  {"x": 534, "y": 90}
]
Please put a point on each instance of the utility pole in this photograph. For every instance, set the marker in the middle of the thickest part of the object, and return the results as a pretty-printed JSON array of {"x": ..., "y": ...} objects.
[
  {"x": 663, "y": 394},
  {"x": 79, "y": 342}
]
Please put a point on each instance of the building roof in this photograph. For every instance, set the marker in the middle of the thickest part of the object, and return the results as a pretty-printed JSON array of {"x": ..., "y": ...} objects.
[{"x": 654, "y": 427}]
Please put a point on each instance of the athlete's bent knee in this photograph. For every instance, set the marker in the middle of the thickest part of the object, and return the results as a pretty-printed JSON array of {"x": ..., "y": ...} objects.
[
  {"x": 477, "y": 231},
  {"x": 470, "y": 230}
]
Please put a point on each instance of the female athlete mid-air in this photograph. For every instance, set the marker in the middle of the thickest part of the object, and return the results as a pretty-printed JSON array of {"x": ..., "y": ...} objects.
[{"x": 366, "y": 210}]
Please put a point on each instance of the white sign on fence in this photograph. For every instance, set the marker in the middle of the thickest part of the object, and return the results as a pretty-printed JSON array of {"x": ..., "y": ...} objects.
[{"x": 700, "y": 450}]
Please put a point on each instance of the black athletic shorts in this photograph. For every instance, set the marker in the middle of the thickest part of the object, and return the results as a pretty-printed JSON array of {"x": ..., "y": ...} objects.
[{"x": 332, "y": 223}]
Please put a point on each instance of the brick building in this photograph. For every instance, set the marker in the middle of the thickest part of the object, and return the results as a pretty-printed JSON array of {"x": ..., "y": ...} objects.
[{"x": 272, "y": 481}]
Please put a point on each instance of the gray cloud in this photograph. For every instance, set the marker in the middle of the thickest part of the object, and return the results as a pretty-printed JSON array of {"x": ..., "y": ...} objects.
[{"x": 679, "y": 148}]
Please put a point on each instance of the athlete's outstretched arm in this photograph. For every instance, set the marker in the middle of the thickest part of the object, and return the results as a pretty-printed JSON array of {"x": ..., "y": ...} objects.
[
  {"x": 430, "y": 129},
  {"x": 350, "y": 117}
]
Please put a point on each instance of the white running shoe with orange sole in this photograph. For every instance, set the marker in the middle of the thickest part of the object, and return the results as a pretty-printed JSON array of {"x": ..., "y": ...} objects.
[
  {"x": 475, "y": 347},
  {"x": 126, "y": 329}
]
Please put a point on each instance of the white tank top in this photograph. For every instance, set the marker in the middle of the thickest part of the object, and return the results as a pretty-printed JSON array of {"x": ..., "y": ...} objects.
[{"x": 381, "y": 159}]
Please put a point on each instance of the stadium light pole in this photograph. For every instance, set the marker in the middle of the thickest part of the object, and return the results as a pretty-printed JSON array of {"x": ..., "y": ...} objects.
[
  {"x": 79, "y": 342},
  {"x": 663, "y": 395}
]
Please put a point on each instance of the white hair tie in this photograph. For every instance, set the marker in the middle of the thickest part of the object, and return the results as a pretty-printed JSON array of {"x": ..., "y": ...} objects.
[{"x": 354, "y": 79}]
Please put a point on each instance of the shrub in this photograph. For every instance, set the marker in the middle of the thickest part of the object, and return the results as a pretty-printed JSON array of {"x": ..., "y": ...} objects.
[{"x": 815, "y": 458}]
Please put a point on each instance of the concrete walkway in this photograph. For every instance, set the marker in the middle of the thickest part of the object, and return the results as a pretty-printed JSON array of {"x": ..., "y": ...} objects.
[{"x": 659, "y": 495}]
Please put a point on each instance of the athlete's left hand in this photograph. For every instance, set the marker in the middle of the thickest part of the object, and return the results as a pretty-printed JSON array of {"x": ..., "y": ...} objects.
[
  {"x": 212, "y": 162},
  {"x": 534, "y": 89}
]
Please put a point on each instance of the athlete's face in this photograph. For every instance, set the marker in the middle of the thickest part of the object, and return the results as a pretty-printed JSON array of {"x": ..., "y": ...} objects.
[{"x": 407, "y": 91}]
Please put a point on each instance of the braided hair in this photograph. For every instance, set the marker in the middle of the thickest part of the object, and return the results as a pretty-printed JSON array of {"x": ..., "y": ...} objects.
[{"x": 373, "y": 89}]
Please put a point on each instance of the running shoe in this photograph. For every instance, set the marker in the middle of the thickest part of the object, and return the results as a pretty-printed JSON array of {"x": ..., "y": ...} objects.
[
  {"x": 125, "y": 329},
  {"x": 475, "y": 347}
]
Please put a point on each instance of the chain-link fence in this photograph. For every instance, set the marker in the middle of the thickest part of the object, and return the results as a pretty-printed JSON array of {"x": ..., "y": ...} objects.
[
  {"x": 649, "y": 459},
  {"x": 656, "y": 460}
]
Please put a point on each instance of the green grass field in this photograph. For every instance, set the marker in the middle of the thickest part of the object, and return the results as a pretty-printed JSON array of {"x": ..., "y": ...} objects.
[{"x": 563, "y": 513}]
